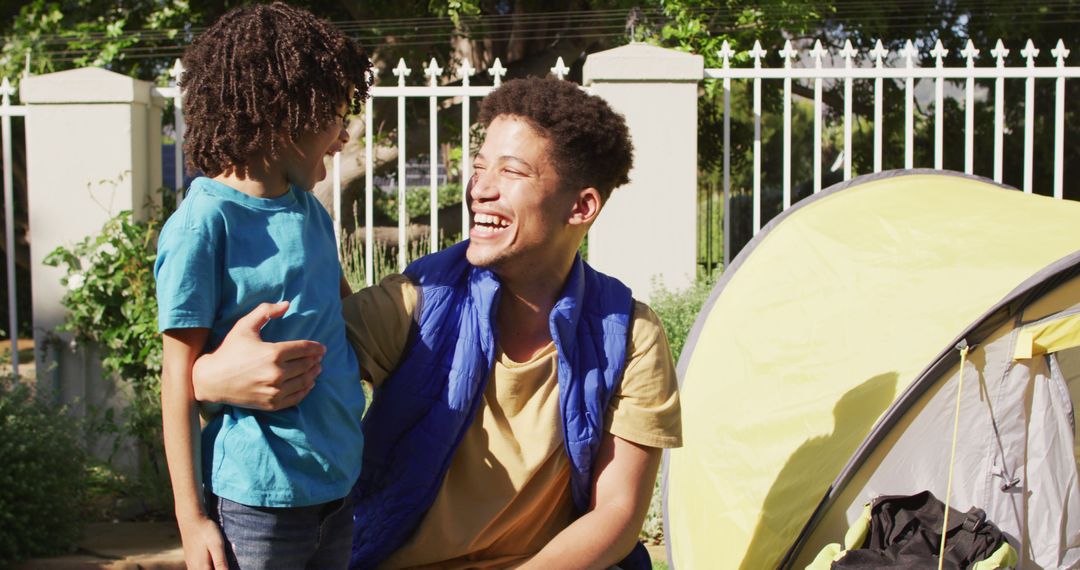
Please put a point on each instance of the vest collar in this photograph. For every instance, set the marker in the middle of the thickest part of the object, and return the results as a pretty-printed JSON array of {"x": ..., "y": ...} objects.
[{"x": 566, "y": 313}]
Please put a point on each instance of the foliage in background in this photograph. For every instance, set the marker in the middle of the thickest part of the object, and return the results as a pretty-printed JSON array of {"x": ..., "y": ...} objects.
[
  {"x": 45, "y": 479},
  {"x": 678, "y": 310},
  {"x": 111, "y": 302},
  {"x": 80, "y": 33},
  {"x": 385, "y": 257},
  {"x": 417, "y": 202}
]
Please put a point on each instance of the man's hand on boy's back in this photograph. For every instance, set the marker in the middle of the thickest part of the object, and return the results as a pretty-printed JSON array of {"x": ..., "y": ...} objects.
[{"x": 274, "y": 375}]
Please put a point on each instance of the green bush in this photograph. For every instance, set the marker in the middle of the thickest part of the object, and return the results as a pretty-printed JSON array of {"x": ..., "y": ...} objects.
[
  {"x": 44, "y": 478},
  {"x": 417, "y": 201},
  {"x": 111, "y": 301},
  {"x": 384, "y": 257},
  {"x": 677, "y": 311}
]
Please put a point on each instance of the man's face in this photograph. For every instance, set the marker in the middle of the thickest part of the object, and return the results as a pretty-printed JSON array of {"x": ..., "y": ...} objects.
[
  {"x": 304, "y": 159},
  {"x": 519, "y": 212}
]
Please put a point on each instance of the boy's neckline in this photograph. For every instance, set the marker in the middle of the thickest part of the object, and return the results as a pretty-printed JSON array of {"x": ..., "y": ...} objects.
[
  {"x": 228, "y": 192},
  {"x": 252, "y": 188}
]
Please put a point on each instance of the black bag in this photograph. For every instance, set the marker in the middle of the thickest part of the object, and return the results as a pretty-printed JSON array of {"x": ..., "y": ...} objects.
[{"x": 905, "y": 532}]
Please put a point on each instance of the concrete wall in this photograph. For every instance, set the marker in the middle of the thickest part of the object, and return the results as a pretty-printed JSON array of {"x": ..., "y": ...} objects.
[
  {"x": 93, "y": 142},
  {"x": 647, "y": 230}
]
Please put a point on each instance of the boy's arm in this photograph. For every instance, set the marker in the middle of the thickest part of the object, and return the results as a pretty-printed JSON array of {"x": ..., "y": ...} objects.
[{"x": 203, "y": 545}]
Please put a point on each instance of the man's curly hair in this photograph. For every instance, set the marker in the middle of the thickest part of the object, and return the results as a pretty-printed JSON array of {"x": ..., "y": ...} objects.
[
  {"x": 261, "y": 76},
  {"x": 590, "y": 143}
]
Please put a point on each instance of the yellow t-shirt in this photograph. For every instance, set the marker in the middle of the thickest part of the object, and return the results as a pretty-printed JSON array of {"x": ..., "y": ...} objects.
[{"x": 507, "y": 491}]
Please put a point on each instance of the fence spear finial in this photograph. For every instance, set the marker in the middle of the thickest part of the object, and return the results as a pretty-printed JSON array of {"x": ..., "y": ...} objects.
[
  {"x": 1060, "y": 53},
  {"x": 939, "y": 52},
  {"x": 788, "y": 53},
  {"x": 465, "y": 71},
  {"x": 433, "y": 71},
  {"x": 1000, "y": 53},
  {"x": 818, "y": 52},
  {"x": 757, "y": 53},
  {"x": 909, "y": 53},
  {"x": 1030, "y": 52},
  {"x": 6, "y": 90},
  {"x": 878, "y": 53},
  {"x": 970, "y": 53},
  {"x": 725, "y": 54},
  {"x": 401, "y": 71},
  {"x": 177, "y": 70},
  {"x": 848, "y": 53},
  {"x": 560, "y": 70},
  {"x": 497, "y": 71}
]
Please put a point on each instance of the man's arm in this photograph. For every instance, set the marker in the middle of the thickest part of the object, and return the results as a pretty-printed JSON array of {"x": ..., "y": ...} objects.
[
  {"x": 625, "y": 473},
  {"x": 203, "y": 545},
  {"x": 247, "y": 372},
  {"x": 244, "y": 371}
]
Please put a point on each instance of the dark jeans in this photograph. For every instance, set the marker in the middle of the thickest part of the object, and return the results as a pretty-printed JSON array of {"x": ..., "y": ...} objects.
[{"x": 256, "y": 538}]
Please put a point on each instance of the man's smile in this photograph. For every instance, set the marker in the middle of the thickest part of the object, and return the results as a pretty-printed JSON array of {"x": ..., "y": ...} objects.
[{"x": 489, "y": 223}]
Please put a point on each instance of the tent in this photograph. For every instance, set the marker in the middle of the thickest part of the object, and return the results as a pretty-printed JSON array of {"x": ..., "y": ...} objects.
[{"x": 824, "y": 370}]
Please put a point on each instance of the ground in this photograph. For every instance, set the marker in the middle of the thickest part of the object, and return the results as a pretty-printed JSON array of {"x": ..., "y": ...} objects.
[{"x": 154, "y": 546}]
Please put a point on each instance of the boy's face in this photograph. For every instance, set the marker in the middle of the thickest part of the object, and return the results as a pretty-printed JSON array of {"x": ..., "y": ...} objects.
[{"x": 304, "y": 158}]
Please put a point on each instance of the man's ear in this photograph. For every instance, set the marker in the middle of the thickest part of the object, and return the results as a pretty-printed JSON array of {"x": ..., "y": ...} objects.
[{"x": 586, "y": 207}]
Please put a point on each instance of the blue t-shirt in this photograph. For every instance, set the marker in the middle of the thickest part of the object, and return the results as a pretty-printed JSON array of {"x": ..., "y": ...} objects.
[{"x": 219, "y": 256}]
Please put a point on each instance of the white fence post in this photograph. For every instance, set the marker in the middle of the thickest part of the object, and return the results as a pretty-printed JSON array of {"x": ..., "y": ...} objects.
[
  {"x": 6, "y": 112},
  {"x": 969, "y": 53},
  {"x": 909, "y": 54},
  {"x": 648, "y": 228},
  {"x": 1059, "y": 53},
  {"x": 877, "y": 54},
  {"x": 93, "y": 140},
  {"x": 1000, "y": 53},
  {"x": 402, "y": 71},
  {"x": 816, "y": 54},
  {"x": 1030, "y": 52}
]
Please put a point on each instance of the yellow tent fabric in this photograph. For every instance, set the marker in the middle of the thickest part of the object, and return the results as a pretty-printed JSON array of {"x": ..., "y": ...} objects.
[
  {"x": 1050, "y": 336},
  {"x": 822, "y": 321}
]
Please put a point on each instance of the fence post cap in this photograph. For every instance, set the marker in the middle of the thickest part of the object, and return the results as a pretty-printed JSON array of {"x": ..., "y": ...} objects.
[
  {"x": 643, "y": 62},
  {"x": 84, "y": 85}
]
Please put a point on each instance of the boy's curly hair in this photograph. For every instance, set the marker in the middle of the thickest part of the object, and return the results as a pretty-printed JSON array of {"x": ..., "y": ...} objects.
[
  {"x": 590, "y": 143},
  {"x": 261, "y": 76}
]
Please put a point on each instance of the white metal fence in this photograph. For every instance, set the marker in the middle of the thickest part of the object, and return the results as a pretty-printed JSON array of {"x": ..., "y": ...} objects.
[
  {"x": 7, "y": 111},
  {"x": 908, "y": 73},
  {"x": 877, "y": 70}
]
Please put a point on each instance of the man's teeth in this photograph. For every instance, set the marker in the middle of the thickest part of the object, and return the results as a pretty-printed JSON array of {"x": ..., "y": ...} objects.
[{"x": 490, "y": 220}]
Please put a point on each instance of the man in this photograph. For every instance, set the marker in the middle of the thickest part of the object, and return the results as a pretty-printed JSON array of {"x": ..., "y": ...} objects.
[{"x": 522, "y": 399}]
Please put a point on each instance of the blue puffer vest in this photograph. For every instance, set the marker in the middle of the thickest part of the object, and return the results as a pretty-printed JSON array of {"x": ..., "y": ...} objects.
[{"x": 421, "y": 412}]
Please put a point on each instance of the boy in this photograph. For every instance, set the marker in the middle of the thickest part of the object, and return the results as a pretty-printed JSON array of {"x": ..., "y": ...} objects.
[{"x": 266, "y": 90}]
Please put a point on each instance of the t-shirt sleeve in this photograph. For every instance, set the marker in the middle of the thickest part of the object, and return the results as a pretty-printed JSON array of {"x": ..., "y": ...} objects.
[
  {"x": 646, "y": 408},
  {"x": 188, "y": 270},
  {"x": 378, "y": 322}
]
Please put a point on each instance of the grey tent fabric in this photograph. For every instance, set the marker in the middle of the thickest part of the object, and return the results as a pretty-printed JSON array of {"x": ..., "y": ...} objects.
[{"x": 1015, "y": 451}]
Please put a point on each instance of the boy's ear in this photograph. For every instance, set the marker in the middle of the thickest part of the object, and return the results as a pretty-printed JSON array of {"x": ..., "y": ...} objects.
[{"x": 586, "y": 207}]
